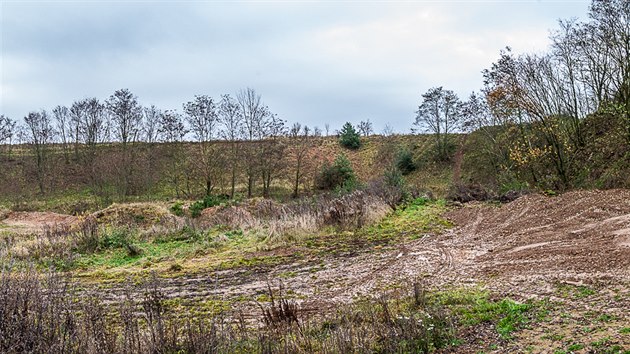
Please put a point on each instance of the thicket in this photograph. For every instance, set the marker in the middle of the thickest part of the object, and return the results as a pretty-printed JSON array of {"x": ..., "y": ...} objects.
[{"x": 559, "y": 119}]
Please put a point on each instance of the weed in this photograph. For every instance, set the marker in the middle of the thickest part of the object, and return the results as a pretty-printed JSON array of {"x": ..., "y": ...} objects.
[
  {"x": 178, "y": 209},
  {"x": 207, "y": 202},
  {"x": 605, "y": 317},
  {"x": 575, "y": 346}
]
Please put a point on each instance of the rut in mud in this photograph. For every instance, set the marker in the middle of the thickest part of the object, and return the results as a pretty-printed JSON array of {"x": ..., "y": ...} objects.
[{"x": 521, "y": 249}]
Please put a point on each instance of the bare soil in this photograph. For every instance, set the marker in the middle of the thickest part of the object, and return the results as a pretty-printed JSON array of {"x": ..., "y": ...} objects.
[
  {"x": 23, "y": 222},
  {"x": 572, "y": 250}
]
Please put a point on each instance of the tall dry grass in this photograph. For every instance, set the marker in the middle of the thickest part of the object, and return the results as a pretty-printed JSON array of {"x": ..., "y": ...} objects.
[
  {"x": 304, "y": 216},
  {"x": 46, "y": 314}
]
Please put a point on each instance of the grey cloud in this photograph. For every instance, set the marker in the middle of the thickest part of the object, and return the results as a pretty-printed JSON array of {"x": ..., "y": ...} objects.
[{"x": 313, "y": 62}]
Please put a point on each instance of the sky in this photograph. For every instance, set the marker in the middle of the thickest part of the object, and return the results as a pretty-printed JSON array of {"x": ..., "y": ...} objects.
[{"x": 313, "y": 62}]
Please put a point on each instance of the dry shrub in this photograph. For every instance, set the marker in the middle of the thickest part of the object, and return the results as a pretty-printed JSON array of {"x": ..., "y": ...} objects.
[
  {"x": 45, "y": 314},
  {"x": 471, "y": 192},
  {"x": 53, "y": 246},
  {"x": 4, "y": 213},
  {"x": 281, "y": 312},
  {"x": 303, "y": 216}
]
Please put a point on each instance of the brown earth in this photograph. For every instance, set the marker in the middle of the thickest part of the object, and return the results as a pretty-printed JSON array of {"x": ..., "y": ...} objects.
[
  {"x": 537, "y": 247},
  {"x": 23, "y": 222}
]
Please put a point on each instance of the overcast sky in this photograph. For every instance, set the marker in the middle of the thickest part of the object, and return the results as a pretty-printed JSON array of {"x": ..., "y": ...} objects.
[{"x": 313, "y": 62}]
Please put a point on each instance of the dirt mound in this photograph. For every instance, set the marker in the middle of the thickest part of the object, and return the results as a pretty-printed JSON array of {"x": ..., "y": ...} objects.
[
  {"x": 29, "y": 222},
  {"x": 576, "y": 233},
  {"x": 135, "y": 214}
]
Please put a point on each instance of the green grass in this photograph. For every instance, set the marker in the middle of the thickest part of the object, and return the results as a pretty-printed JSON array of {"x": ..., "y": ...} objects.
[
  {"x": 473, "y": 307},
  {"x": 575, "y": 346},
  {"x": 575, "y": 291},
  {"x": 412, "y": 220},
  {"x": 183, "y": 251}
]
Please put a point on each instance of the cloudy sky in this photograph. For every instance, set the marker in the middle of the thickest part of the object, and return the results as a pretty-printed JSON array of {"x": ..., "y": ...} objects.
[{"x": 313, "y": 62}]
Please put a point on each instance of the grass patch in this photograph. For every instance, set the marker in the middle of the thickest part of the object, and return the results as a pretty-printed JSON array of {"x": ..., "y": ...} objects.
[
  {"x": 575, "y": 291},
  {"x": 473, "y": 307},
  {"x": 412, "y": 220}
]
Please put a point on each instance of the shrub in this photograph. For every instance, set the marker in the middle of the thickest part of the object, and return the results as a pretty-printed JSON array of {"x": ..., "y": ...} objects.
[
  {"x": 207, "y": 202},
  {"x": 178, "y": 209},
  {"x": 404, "y": 162},
  {"x": 470, "y": 192},
  {"x": 337, "y": 175},
  {"x": 349, "y": 138}
]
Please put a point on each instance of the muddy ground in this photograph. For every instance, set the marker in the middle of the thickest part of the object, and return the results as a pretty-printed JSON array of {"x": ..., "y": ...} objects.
[{"x": 537, "y": 247}]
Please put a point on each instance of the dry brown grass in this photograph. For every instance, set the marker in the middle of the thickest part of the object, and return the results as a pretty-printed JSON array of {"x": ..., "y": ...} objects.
[
  {"x": 44, "y": 314},
  {"x": 303, "y": 217}
]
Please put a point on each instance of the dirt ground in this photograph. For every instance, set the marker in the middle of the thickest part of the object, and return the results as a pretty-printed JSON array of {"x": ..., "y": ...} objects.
[
  {"x": 537, "y": 247},
  {"x": 23, "y": 222}
]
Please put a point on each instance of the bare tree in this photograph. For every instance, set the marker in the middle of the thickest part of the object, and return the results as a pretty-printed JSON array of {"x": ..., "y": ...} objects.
[
  {"x": 365, "y": 128},
  {"x": 327, "y": 128},
  {"x": 255, "y": 119},
  {"x": 272, "y": 152},
  {"x": 62, "y": 120},
  {"x": 301, "y": 142},
  {"x": 77, "y": 113},
  {"x": 388, "y": 130},
  {"x": 126, "y": 116},
  {"x": 439, "y": 114},
  {"x": 40, "y": 135},
  {"x": 231, "y": 119},
  {"x": 317, "y": 131},
  {"x": 171, "y": 131},
  {"x": 7, "y": 131},
  {"x": 150, "y": 124},
  {"x": 91, "y": 126},
  {"x": 202, "y": 117}
]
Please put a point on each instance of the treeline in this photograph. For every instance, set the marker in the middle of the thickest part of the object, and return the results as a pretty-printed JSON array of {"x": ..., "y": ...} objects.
[
  {"x": 118, "y": 148},
  {"x": 553, "y": 120}
]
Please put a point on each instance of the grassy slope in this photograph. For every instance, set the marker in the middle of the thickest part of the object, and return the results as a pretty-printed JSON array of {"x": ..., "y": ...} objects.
[{"x": 369, "y": 161}]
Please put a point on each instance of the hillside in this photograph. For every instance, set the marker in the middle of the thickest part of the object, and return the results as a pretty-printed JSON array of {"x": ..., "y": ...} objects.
[{"x": 72, "y": 187}]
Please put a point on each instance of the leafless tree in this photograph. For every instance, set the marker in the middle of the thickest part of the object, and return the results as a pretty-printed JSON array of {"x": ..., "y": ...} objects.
[
  {"x": 171, "y": 131},
  {"x": 272, "y": 158},
  {"x": 203, "y": 120},
  {"x": 126, "y": 117},
  {"x": 388, "y": 130},
  {"x": 301, "y": 142},
  {"x": 231, "y": 119},
  {"x": 365, "y": 128},
  {"x": 62, "y": 122},
  {"x": 7, "y": 131},
  {"x": 40, "y": 135},
  {"x": 151, "y": 124},
  {"x": 255, "y": 120},
  {"x": 91, "y": 125}
]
